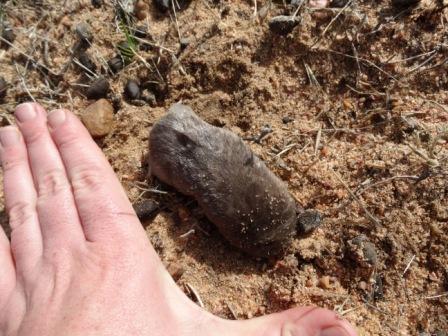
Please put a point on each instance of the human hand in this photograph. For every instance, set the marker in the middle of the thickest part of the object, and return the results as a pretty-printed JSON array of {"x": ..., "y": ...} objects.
[{"x": 79, "y": 261}]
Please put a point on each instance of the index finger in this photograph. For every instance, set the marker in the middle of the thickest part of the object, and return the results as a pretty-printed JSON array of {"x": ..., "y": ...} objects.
[{"x": 99, "y": 196}]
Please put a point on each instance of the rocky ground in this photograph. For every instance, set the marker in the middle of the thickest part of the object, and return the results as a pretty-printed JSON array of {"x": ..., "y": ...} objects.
[{"x": 346, "y": 101}]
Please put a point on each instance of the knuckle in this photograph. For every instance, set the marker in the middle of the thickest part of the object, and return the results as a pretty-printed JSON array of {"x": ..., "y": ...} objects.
[
  {"x": 13, "y": 159},
  {"x": 35, "y": 134},
  {"x": 52, "y": 182},
  {"x": 87, "y": 177},
  {"x": 67, "y": 139},
  {"x": 20, "y": 213}
]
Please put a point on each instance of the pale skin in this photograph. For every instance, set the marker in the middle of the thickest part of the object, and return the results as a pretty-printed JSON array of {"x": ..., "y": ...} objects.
[{"x": 79, "y": 262}]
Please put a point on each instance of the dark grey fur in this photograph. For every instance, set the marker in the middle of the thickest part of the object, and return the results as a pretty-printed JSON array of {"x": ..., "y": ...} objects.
[{"x": 250, "y": 206}]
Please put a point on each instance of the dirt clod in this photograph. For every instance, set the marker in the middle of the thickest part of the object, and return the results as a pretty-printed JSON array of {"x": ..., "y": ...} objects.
[
  {"x": 362, "y": 251},
  {"x": 283, "y": 25},
  {"x": 99, "y": 118},
  {"x": 308, "y": 221}
]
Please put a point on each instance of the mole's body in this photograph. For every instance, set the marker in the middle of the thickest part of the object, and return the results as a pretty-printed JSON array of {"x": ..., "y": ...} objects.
[{"x": 250, "y": 206}]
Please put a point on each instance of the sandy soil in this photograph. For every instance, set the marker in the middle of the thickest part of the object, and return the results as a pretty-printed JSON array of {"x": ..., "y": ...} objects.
[{"x": 357, "y": 100}]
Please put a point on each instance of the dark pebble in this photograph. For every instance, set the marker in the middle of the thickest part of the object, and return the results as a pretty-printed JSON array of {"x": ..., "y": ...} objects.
[
  {"x": 287, "y": 119},
  {"x": 308, "y": 221},
  {"x": 283, "y": 24},
  {"x": 404, "y": 3},
  {"x": 9, "y": 35},
  {"x": 83, "y": 32},
  {"x": 3, "y": 88},
  {"x": 338, "y": 3},
  {"x": 146, "y": 209},
  {"x": 87, "y": 62},
  {"x": 184, "y": 42},
  {"x": 140, "y": 31},
  {"x": 98, "y": 89},
  {"x": 115, "y": 64},
  {"x": 165, "y": 5},
  {"x": 132, "y": 90},
  {"x": 97, "y": 3}
]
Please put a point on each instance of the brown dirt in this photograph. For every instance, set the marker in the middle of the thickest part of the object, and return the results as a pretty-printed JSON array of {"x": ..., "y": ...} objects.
[{"x": 367, "y": 147}]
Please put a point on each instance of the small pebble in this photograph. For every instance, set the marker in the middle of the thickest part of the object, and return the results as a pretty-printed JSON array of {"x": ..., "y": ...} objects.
[
  {"x": 362, "y": 285},
  {"x": 83, "y": 31},
  {"x": 3, "y": 88},
  {"x": 283, "y": 24},
  {"x": 115, "y": 64},
  {"x": 318, "y": 3},
  {"x": 404, "y": 3},
  {"x": 184, "y": 42},
  {"x": 141, "y": 9},
  {"x": 97, "y": 3},
  {"x": 99, "y": 118},
  {"x": 324, "y": 282},
  {"x": 145, "y": 209},
  {"x": 66, "y": 22},
  {"x": 308, "y": 221},
  {"x": 87, "y": 62},
  {"x": 176, "y": 270},
  {"x": 287, "y": 119},
  {"x": 362, "y": 251},
  {"x": 9, "y": 35},
  {"x": 309, "y": 283},
  {"x": 98, "y": 89},
  {"x": 132, "y": 90}
]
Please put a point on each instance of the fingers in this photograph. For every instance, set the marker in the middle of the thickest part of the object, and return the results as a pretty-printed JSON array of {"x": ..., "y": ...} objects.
[
  {"x": 103, "y": 206},
  {"x": 7, "y": 277},
  {"x": 20, "y": 200},
  {"x": 58, "y": 217}
]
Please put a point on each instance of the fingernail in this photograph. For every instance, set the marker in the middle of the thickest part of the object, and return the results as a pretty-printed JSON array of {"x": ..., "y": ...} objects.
[
  {"x": 9, "y": 136},
  {"x": 56, "y": 118},
  {"x": 25, "y": 112},
  {"x": 333, "y": 331}
]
